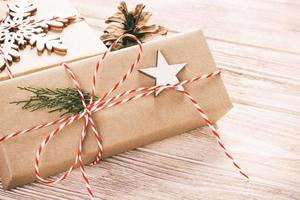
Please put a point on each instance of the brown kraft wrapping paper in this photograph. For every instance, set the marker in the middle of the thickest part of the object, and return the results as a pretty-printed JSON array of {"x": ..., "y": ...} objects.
[
  {"x": 78, "y": 37},
  {"x": 123, "y": 127}
]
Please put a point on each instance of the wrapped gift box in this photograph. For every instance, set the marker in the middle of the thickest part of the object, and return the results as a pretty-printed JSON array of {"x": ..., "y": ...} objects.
[
  {"x": 78, "y": 37},
  {"x": 122, "y": 127}
]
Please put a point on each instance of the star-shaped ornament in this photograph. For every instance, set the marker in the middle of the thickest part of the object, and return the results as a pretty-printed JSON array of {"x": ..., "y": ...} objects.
[{"x": 163, "y": 73}]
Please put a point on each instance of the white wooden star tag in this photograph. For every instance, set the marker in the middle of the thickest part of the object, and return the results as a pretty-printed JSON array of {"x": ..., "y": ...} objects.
[{"x": 164, "y": 74}]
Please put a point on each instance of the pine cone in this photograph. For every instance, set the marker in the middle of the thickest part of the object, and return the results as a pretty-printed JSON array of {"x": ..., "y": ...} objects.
[{"x": 132, "y": 22}]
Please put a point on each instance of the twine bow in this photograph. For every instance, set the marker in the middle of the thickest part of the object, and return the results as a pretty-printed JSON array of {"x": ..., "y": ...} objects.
[{"x": 107, "y": 102}]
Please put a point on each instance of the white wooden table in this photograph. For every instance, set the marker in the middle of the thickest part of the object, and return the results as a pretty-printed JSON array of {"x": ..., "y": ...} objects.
[{"x": 257, "y": 46}]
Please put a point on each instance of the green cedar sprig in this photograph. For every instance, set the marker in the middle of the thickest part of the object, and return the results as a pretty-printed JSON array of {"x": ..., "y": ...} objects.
[{"x": 66, "y": 100}]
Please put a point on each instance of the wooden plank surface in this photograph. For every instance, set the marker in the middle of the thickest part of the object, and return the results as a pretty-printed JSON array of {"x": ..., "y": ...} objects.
[{"x": 257, "y": 46}]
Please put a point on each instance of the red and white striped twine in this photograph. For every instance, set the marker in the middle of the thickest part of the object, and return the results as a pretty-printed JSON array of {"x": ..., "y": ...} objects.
[
  {"x": 104, "y": 103},
  {"x": 33, "y": 21}
]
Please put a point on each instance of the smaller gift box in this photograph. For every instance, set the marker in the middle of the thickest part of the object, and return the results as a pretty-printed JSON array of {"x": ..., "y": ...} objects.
[
  {"x": 122, "y": 127},
  {"x": 76, "y": 36}
]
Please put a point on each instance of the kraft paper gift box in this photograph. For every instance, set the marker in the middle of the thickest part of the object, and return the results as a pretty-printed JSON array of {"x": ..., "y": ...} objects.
[
  {"x": 122, "y": 127},
  {"x": 78, "y": 37}
]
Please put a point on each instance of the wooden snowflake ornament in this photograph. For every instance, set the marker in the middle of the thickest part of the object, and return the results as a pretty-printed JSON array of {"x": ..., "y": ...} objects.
[
  {"x": 22, "y": 9},
  {"x": 19, "y": 29},
  {"x": 8, "y": 53}
]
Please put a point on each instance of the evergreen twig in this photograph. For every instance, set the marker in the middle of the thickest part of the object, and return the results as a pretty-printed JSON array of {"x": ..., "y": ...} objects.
[{"x": 65, "y": 100}]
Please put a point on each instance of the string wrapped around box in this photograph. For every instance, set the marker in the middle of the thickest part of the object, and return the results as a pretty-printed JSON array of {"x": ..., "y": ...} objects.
[{"x": 106, "y": 102}]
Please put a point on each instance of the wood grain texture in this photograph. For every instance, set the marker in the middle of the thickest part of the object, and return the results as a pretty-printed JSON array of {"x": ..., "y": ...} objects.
[{"x": 257, "y": 45}]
